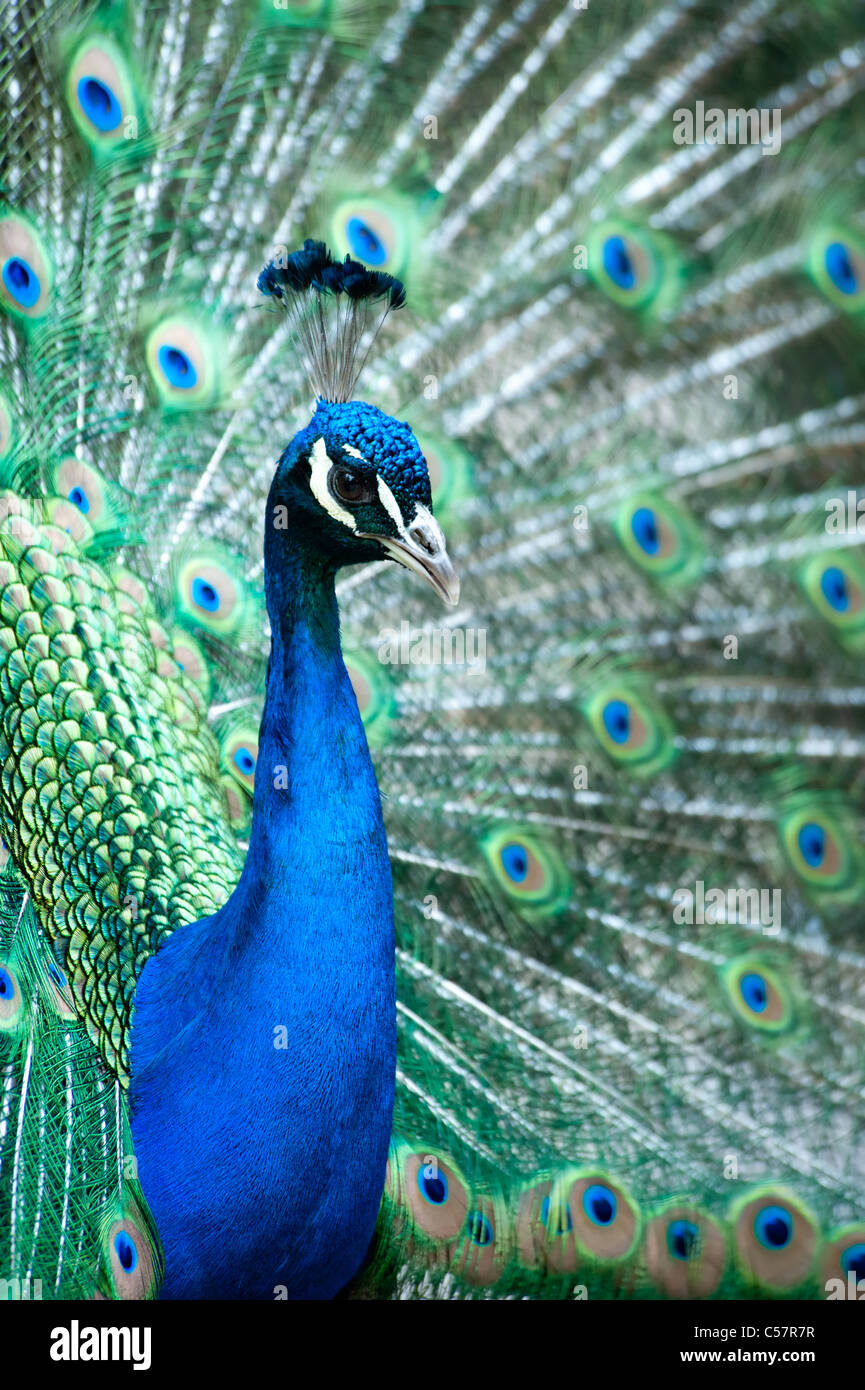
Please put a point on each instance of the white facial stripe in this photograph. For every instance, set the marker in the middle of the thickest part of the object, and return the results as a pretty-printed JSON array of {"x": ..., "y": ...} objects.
[
  {"x": 391, "y": 506},
  {"x": 321, "y": 466}
]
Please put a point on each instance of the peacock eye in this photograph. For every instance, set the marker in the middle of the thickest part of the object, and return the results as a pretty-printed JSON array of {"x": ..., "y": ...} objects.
[{"x": 349, "y": 486}]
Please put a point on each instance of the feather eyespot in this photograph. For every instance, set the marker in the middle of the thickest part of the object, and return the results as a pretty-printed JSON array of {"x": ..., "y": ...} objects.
[
  {"x": 835, "y": 586},
  {"x": 620, "y": 263},
  {"x": 479, "y": 1228},
  {"x": 853, "y": 1260},
  {"x": 530, "y": 871},
  {"x": 660, "y": 537},
  {"x": 483, "y": 1252},
  {"x": 754, "y": 991},
  {"x": 126, "y": 1252},
  {"x": 26, "y": 271},
  {"x": 599, "y": 1204},
  {"x": 132, "y": 1254},
  {"x": 244, "y": 762},
  {"x": 183, "y": 360},
  {"x": 210, "y": 591},
  {"x": 379, "y": 231},
  {"x": 364, "y": 243},
  {"x": 101, "y": 93},
  {"x": 685, "y": 1251},
  {"x": 433, "y": 1186},
  {"x": 623, "y": 726},
  {"x": 835, "y": 589},
  {"x": 22, "y": 281},
  {"x": 86, "y": 490},
  {"x": 239, "y": 746},
  {"x": 632, "y": 265},
  {"x": 822, "y": 851},
  {"x": 776, "y": 1238},
  {"x": 584, "y": 1215},
  {"x": 99, "y": 104},
  {"x": 177, "y": 367},
  {"x": 773, "y": 1227},
  {"x": 436, "y": 1195},
  {"x": 841, "y": 268},
  {"x": 843, "y": 1258},
  {"x": 11, "y": 1002},
  {"x": 646, "y": 530},
  {"x": 205, "y": 595},
  {"x": 683, "y": 1239},
  {"x": 606, "y": 1220},
  {"x": 515, "y": 862},
  {"x": 632, "y": 729},
  {"x": 836, "y": 263},
  {"x": 759, "y": 994}
]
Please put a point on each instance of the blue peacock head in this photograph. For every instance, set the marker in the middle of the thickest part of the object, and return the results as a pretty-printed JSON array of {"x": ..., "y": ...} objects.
[{"x": 353, "y": 485}]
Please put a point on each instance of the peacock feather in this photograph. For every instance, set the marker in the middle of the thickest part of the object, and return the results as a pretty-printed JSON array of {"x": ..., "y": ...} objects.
[{"x": 576, "y": 1002}]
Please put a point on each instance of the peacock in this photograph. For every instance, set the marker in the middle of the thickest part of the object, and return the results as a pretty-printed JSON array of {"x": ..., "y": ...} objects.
[{"x": 494, "y": 936}]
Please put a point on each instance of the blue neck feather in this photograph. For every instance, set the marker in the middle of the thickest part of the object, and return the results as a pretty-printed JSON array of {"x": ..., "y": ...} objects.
[{"x": 264, "y": 1041}]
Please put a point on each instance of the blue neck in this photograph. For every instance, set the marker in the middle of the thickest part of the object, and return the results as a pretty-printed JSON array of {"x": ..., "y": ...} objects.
[
  {"x": 317, "y": 824},
  {"x": 302, "y": 954}
]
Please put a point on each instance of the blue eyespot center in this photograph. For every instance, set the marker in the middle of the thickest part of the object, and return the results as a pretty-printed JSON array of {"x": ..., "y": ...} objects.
[
  {"x": 204, "y": 595},
  {"x": 364, "y": 243},
  {"x": 480, "y": 1230},
  {"x": 99, "y": 104},
  {"x": 433, "y": 1187},
  {"x": 244, "y": 762},
  {"x": 617, "y": 720},
  {"x": 839, "y": 268},
  {"x": 618, "y": 264},
  {"x": 7, "y": 985},
  {"x": 812, "y": 844},
  {"x": 645, "y": 528},
  {"x": 562, "y": 1223},
  {"x": 78, "y": 497},
  {"x": 126, "y": 1252},
  {"x": 754, "y": 991},
  {"x": 21, "y": 281},
  {"x": 683, "y": 1239},
  {"x": 599, "y": 1204},
  {"x": 178, "y": 369},
  {"x": 833, "y": 586},
  {"x": 773, "y": 1227},
  {"x": 853, "y": 1259},
  {"x": 515, "y": 862}
]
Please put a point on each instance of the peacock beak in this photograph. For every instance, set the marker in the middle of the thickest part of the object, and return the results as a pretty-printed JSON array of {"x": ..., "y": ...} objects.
[{"x": 421, "y": 547}]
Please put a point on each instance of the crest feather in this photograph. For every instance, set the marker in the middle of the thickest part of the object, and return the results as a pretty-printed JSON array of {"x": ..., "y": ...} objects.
[{"x": 337, "y": 309}]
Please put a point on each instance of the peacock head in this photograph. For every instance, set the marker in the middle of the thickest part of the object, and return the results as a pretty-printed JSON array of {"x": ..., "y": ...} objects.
[{"x": 354, "y": 487}]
